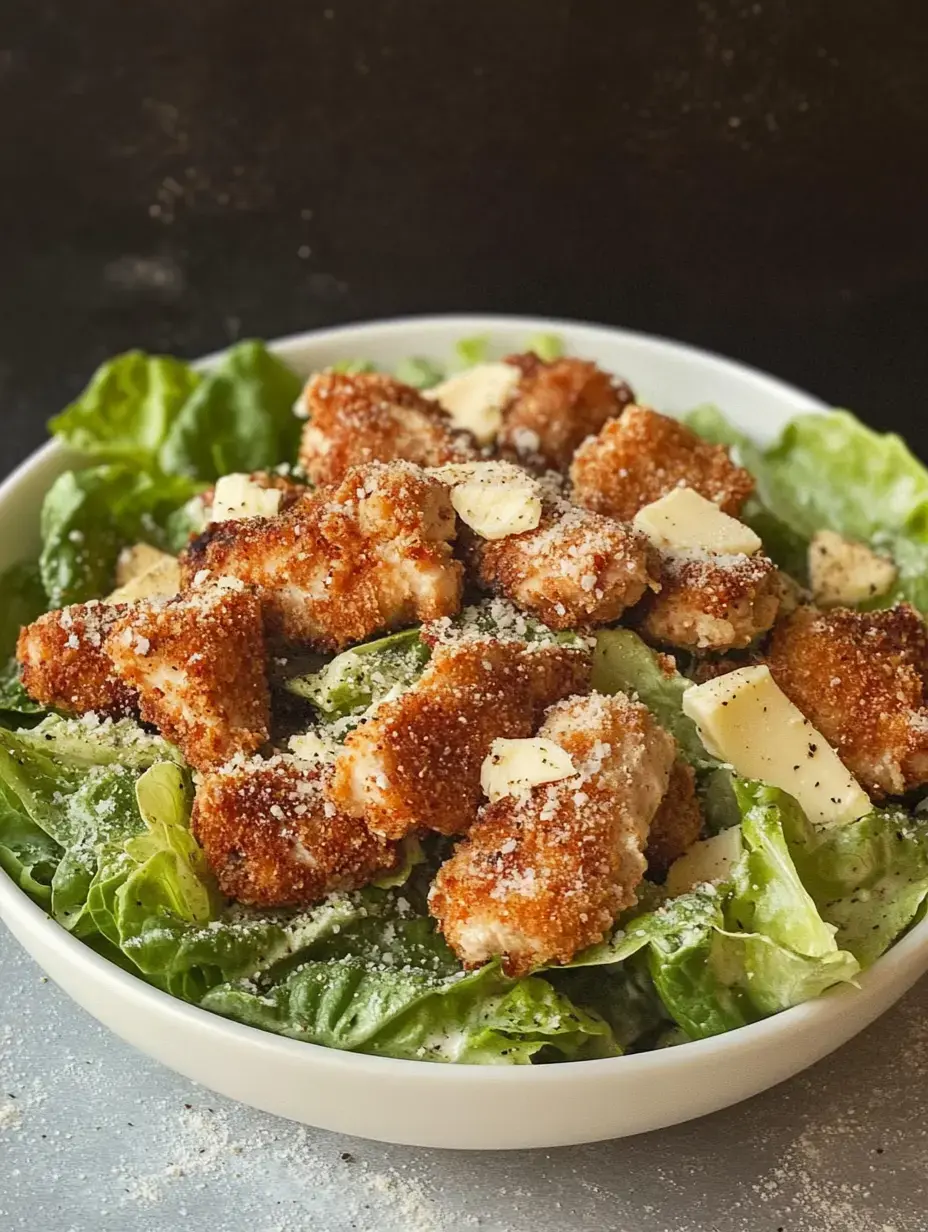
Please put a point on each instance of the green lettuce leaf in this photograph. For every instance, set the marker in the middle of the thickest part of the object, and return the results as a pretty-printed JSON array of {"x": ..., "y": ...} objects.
[
  {"x": 359, "y": 678},
  {"x": 869, "y": 878},
  {"x": 547, "y": 347},
  {"x": 623, "y": 663},
  {"x": 623, "y": 994},
  {"x": 830, "y": 471},
  {"x": 784, "y": 543},
  {"x": 22, "y": 599},
  {"x": 89, "y": 515},
  {"x": 405, "y": 1011},
  {"x": 419, "y": 372},
  {"x": 471, "y": 351},
  {"x": 238, "y": 419},
  {"x": 769, "y": 896},
  {"x": 127, "y": 410}
]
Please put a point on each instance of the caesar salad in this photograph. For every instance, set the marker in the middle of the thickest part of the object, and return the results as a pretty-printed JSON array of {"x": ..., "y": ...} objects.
[{"x": 473, "y": 712}]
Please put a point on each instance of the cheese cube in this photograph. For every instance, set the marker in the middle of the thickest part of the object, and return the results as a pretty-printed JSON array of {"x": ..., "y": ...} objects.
[
  {"x": 475, "y": 398},
  {"x": 514, "y": 767},
  {"x": 238, "y": 496},
  {"x": 684, "y": 521},
  {"x": 747, "y": 720}
]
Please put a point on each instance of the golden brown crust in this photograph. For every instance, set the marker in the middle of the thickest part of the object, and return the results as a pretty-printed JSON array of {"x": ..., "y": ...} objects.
[
  {"x": 199, "y": 666},
  {"x": 64, "y": 664},
  {"x": 642, "y": 456},
  {"x": 575, "y": 569},
  {"x": 710, "y": 603},
  {"x": 416, "y": 762},
  {"x": 677, "y": 823},
  {"x": 556, "y": 406},
  {"x": 542, "y": 876},
  {"x": 273, "y": 840},
  {"x": 859, "y": 678},
  {"x": 370, "y": 417},
  {"x": 370, "y": 554}
]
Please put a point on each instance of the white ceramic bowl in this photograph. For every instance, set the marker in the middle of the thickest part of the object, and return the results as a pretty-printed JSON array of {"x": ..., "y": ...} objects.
[{"x": 468, "y": 1106}]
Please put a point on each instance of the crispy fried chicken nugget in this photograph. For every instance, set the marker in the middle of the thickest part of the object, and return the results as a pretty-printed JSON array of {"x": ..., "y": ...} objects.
[
  {"x": 677, "y": 823},
  {"x": 373, "y": 553},
  {"x": 642, "y": 456},
  {"x": 543, "y": 875},
  {"x": 369, "y": 417},
  {"x": 272, "y": 838},
  {"x": 199, "y": 666},
  {"x": 860, "y": 678},
  {"x": 416, "y": 762},
  {"x": 555, "y": 406},
  {"x": 708, "y": 602},
  {"x": 64, "y": 664},
  {"x": 575, "y": 569}
]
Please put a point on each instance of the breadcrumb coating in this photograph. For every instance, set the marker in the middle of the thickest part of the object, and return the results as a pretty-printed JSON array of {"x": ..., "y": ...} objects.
[
  {"x": 198, "y": 664},
  {"x": 709, "y": 602},
  {"x": 555, "y": 407},
  {"x": 543, "y": 875},
  {"x": 273, "y": 840},
  {"x": 416, "y": 762},
  {"x": 642, "y": 456},
  {"x": 370, "y": 417},
  {"x": 575, "y": 569},
  {"x": 677, "y": 823},
  {"x": 64, "y": 664},
  {"x": 370, "y": 554},
  {"x": 860, "y": 678}
]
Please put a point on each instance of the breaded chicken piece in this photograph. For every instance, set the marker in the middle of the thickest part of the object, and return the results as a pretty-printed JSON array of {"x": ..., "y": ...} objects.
[
  {"x": 369, "y": 417},
  {"x": 677, "y": 823},
  {"x": 543, "y": 875},
  {"x": 642, "y": 456},
  {"x": 199, "y": 666},
  {"x": 576, "y": 568},
  {"x": 372, "y": 554},
  {"x": 710, "y": 602},
  {"x": 63, "y": 663},
  {"x": 272, "y": 838},
  {"x": 555, "y": 407},
  {"x": 860, "y": 679},
  {"x": 416, "y": 762}
]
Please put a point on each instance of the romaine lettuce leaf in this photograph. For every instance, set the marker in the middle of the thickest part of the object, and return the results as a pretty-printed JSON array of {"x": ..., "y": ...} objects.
[
  {"x": 239, "y": 418},
  {"x": 830, "y": 471},
  {"x": 869, "y": 878},
  {"x": 769, "y": 896},
  {"x": 623, "y": 663},
  {"x": 23, "y": 599},
  {"x": 128, "y": 408},
  {"x": 87, "y": 516},
  {"x": 547, "y": 347},
  {"x": 406, "y": 1011},
  {"x": 419, "y": 372},
  {"x": 359, "y": 678},
  {"x": 623, "y": 994}
]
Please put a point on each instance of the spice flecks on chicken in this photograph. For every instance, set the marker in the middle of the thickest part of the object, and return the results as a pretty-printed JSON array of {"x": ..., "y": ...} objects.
[
  {"x": 415, "y": 764},
  {"x": 544, "y": 874},
  {"x": 198, "y": 664},
  {"x": 273, "y": 839},
  {"x": 642, "y": 456},
  {"x": 368, "y": 555}
]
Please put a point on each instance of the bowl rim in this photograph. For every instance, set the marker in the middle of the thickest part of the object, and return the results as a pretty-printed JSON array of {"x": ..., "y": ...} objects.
[{"x": 902, "y": 958}]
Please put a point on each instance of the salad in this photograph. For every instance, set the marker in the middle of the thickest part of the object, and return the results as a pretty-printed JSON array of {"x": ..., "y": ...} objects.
[{"x": 473, "y": 712}]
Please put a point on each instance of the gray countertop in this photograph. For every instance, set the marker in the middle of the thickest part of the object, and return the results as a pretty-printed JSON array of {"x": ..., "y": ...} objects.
[{"x": 95, "y": 1137}]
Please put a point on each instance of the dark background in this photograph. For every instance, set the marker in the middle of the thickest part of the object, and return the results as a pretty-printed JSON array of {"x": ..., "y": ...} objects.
[{"x": 746, "y": 176}]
